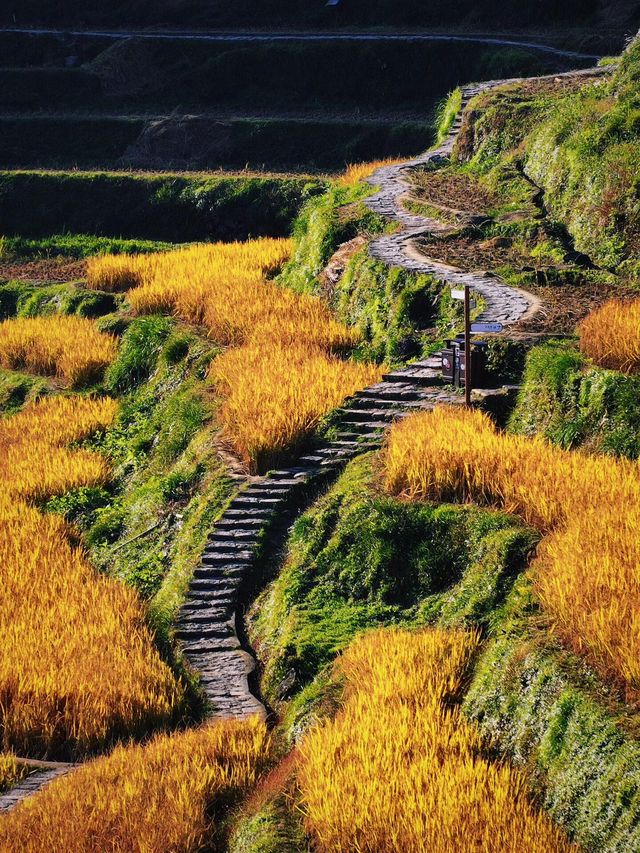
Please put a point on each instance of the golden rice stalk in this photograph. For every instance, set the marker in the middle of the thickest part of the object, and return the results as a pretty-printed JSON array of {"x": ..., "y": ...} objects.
[
  {"x": 357, "y": 172},
  {"x": 586, "y": 572},
  {"x": 78, "y": 665},
  {"x": 71, "y": 348},
  {"x": 610, "y": 335},
  {"x": 281, "y": 374},
  {"x": 400, "y": 769},
  {"x": 165, "y": 797},
  {"x": 10, "y": 771},
  {"x": 273, "y": 398}
]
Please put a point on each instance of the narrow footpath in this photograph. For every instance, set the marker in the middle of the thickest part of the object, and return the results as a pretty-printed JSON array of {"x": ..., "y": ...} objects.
[
  {"x": 210, "y": 626},
  {"x": 211, "y": 621}
]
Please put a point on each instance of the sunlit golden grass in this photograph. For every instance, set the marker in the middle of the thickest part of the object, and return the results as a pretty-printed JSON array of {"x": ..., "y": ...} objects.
[
  {"x": 399, "y": 769},
  {"x": 357, "y": 172},
  {"x": 71, "y": 348},
  {"x": 610, "y": 335},
  {"x": 78, "y": 666},
  {"x": 10, "y": 771},
  {"x": 273, "y": 399},
  {"x": 586, "y": 571},
  {"x": 165, "y": 797},
  {"x": 282, "y": 372}
]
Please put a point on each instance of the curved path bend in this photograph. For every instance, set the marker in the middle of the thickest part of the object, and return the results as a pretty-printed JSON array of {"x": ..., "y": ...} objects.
[
  {"x": 41, "y": 773},
  {"x": 211, "y": 620},
  {"x": 329, "y": 36},
  {"x": 503, "y": 304}
]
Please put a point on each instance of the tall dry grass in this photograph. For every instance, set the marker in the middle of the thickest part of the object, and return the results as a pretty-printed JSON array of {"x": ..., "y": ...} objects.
[
  {"x": 356, "y": 172},
  {"x": 586, "y": 571},
  {"x": 10, "y": 771},
  {"x": 272, "y": 403},
  {"x": 71, "y": 348},
  {"x": 399, "y": 769},
  {"x": 165, "y": 797},
  {"x": 610, "y": 335},
  {"x": 78, "y": 666},
  {"x": 281, "y": 372}
]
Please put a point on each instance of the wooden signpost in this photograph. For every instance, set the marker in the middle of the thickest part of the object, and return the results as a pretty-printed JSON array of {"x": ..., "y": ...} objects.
[{"x": 470, "y": 329}]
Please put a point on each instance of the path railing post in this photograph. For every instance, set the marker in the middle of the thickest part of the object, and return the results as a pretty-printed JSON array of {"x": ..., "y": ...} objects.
[{"x": 467, "y": 345}]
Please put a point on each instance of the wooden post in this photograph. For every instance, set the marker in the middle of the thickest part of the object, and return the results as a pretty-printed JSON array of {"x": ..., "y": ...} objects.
[{"x": 467, "y": 345}]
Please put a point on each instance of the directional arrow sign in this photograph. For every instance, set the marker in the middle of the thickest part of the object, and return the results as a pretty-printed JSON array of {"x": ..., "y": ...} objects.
[{"x": 486, "y": 327}]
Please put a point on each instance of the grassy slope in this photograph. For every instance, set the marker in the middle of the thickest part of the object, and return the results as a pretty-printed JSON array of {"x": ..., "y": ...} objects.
[
  {"x": 176, "y": 208},
  {"x": 537, "y": 705},
  {"x": 148, "y": 526}
]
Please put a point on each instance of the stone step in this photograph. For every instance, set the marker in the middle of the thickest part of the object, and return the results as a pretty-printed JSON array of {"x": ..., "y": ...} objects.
[
  {"x": 210, "y": 645},
  {"x": 231, "y": 557},
  {"x": 206, "y": 615},
  {"x": 220, "y": 571},
  {"x": 255, "y": 512},
  {"x": 240, "y": 523},
  {"x": 201, "y": 585},
  {"x": 367, "y": 428},
  {"x": 390, "y": 395},
  {"x": 419, "y": 378},
  {"x": 255, "y": 502},
  {"x": 267, "y": 490},
  {"x": 351, "y": 416},
  {"x": 234, "y": 533},
  {"x": 210, "y": 600},
  {"x": 230, "y": 546},
  {"x": 283, "y": 484},
  {"x": 196, "y": 631}
]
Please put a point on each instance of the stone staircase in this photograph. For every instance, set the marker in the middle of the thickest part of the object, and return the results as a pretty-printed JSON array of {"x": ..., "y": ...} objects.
[{"x": 210, "y": 623}]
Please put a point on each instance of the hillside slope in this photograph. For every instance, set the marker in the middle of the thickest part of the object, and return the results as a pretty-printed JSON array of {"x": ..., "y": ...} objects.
[{"x": 613, "y": 16}]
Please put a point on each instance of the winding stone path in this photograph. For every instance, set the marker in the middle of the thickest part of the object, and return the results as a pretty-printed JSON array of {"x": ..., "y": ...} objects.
[
  {"x": 503, "y": 304},
  {"x": 210, "y": 623},
  {"x": 42, "y": 773}
]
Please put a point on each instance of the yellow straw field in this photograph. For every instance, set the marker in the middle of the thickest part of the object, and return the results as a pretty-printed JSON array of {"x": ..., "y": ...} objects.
[
  {"x": 157, "y": 798},
  {"x": 610, "y": 335},
  {"x": 399, "y": 769},
  {"x": 357, "y": 172},
  {"x": 282, "y": 372},
  {"x": 586, "y": 571},
  {"x": 270, "y": 404},
  {"x": 70, "y": 348},
  {"x": 10, "y": 772},
  {"x": 78, "y": 664}
]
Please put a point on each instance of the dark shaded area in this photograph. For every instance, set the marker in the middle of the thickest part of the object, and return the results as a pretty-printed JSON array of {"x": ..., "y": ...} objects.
[
  {"x": 245, "y": 13},
  {"x": 173, "y": 208}
]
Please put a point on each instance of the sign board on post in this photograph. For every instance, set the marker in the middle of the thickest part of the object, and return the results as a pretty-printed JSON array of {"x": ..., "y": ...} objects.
[
  {"x": 459, "y": 294},
  {"x": 483, "y": 328}
]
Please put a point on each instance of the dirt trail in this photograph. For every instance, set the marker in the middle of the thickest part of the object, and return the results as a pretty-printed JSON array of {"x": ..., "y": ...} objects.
[
  {"x": 168, "y": 35},
  {"x": 503, "y": 304}
]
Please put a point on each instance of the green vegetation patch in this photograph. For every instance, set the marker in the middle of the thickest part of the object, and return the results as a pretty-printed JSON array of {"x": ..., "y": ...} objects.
[
  {"x": 397, "y": 312},
  {"x": 16, "y": 389},
  {"x": 543, "y": 710},
  {"x": 78, "y": 246},
  {"x": 25, "y": 299},
  {"x": 574, "y": 404},
  {"x": 169, "y": 485},
  {"x": 172, "y": 208},
  {"x": 358, "y": 559}
]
